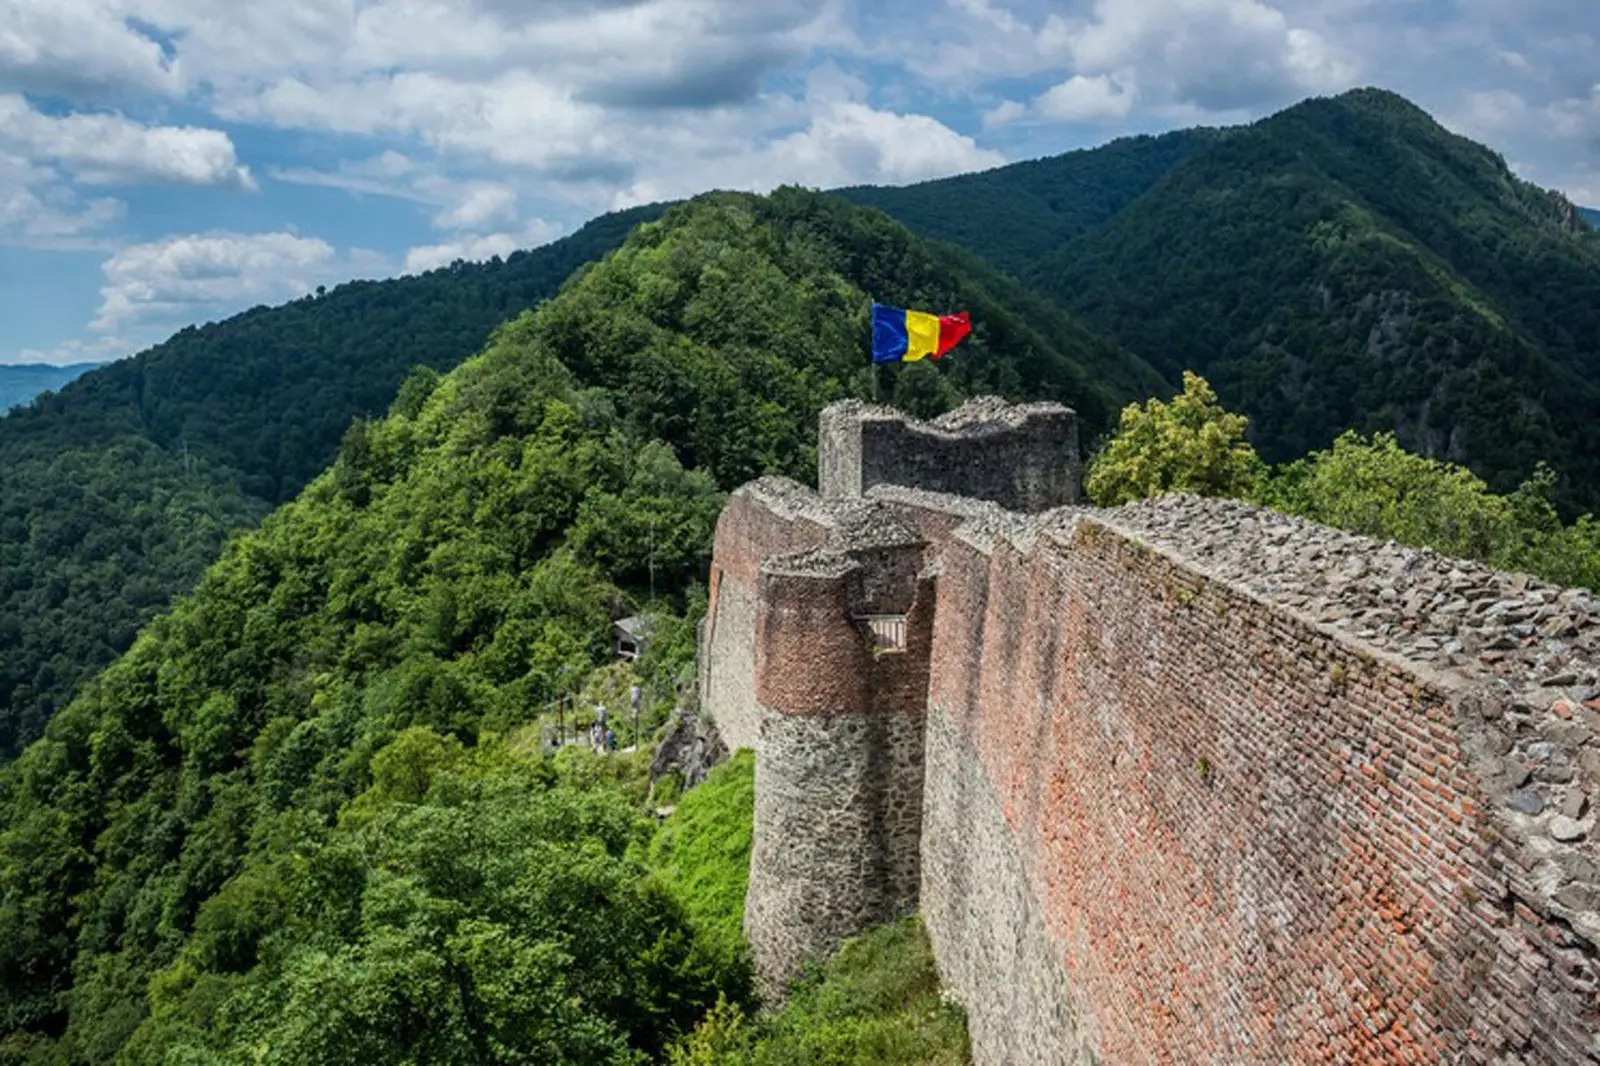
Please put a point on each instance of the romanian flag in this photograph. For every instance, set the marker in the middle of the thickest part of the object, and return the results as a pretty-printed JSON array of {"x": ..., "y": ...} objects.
[{"x": 906, "y": 336}]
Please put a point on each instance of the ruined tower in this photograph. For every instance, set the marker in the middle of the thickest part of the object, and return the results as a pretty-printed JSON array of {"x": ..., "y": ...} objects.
[{"x": 817, "y": 649}]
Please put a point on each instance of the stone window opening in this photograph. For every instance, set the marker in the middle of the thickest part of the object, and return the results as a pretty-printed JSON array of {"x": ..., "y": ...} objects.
[{"x": 888, "y": 631}]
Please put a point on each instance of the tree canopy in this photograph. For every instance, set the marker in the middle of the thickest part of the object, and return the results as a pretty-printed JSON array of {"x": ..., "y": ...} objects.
[
  {"x": 1190, "y": 444},
  {"x": 307, "y": 815}
]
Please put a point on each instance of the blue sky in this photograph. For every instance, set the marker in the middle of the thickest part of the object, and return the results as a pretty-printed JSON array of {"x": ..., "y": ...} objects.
[{"x": 165, "y": 162}]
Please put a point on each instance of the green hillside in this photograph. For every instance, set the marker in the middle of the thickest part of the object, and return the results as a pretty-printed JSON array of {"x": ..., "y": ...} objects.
[
  {"x": 1015, "y": 215},
  {"x": 1347, "y": 263},
  {"x": 305, "y": 819},
  {"x": 21, "y": 382},
  {"x": 119, "y": 490}
]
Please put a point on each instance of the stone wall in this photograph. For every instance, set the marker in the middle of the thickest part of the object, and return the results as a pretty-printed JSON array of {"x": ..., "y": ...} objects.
[
  {"x": 1023, "y": 457},
  {"x": 987, "y": 926},
  {"x": 1256, "y": 828},
  {"x": 773, "y": 516},
  {"x": 1183, "y": 782},
  {"x": 837, "y": 832}
]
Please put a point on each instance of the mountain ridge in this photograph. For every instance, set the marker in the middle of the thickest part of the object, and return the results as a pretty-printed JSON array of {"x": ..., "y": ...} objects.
[
  {"x": 21, "y": 382},
  {"x": 1344, "y": 263},
  {"x": 122, "y": 486}
]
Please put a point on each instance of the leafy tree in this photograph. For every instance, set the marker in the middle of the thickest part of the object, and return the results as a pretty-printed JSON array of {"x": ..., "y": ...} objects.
[
  {"x": 1377, "y": 488},
  {"x": 876, "y": 1003},
  {"x": 1190, "y": 444}
]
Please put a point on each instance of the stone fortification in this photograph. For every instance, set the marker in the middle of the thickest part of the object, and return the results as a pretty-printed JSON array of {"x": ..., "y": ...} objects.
[
  {"x": 1181, "y": 782},
  {"x": 1253, "y": 835},
  {"x": 1022, "y": 457}
]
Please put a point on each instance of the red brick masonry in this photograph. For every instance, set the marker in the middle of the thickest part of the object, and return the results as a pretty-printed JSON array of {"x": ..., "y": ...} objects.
[{"x": 1252, "y": 841}]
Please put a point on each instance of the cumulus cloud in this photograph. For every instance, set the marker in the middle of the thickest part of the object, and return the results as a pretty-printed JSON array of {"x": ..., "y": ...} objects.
[
  {"x": 852, "y": 142},
  {"x": 39, "y": 210},
  {"x": 477, "y": 248},
  {"x": 1213, "y": 55},
  {"x": 80, "y": 48},
  {"x": 187, "y": 278},
  {"x": 479, "y": 207},
  {"x": 106, "y": 149},
  {"x": 1078, "y": 99},
  {"x": 97, "y": 350}
]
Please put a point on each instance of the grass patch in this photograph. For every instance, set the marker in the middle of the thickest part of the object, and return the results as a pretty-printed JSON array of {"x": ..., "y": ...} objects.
[
  {"x": 876, "y": 1003},
  {"x": 702, "y": 853}
]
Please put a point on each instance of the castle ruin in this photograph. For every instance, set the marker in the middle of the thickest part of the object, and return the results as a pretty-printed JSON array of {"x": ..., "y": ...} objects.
[{"x": 1185, "y": 781}]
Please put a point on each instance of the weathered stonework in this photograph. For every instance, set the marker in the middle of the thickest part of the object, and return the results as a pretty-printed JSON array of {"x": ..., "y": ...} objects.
[
  {"x": 986, "y": 924},
  {"x": 837, "y": 834},
  {"x": 1199, "y": 783},
  {"x": 1023, "y": 457}
]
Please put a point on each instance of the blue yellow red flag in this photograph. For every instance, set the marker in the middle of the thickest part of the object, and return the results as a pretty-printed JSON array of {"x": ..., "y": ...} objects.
[{"x": 900, "y": 336}]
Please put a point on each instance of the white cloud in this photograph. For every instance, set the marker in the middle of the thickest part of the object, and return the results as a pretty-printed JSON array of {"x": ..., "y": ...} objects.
[
  {"x": 1005, "y": 113},
  {"x": 39, "y": 210},
  {"x": 479, "y": 207},
  {"x": 184, "y": 279},
  {"x": 853, "y": 143},
  {"x": 1219, "y": 55},
  {"x": 477, "y": 248},
  {"x": 98, "y": 350},
  {"x": 1081, "y": 98},
  {"x": 106, "y": 149},
  {"x": 80, "y": 48}
]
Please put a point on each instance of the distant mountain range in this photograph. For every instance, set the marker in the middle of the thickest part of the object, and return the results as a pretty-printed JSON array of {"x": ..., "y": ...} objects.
[
  {"x": 21, "y": 382},
  {"x": 1591, "y": 215},
  {"x": 1345, "y": 263}
]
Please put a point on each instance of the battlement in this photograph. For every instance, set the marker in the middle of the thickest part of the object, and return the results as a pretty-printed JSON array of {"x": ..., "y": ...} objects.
[
  {"x": 1023, "y": 457},
  {"x": 1181, "y": 781}
]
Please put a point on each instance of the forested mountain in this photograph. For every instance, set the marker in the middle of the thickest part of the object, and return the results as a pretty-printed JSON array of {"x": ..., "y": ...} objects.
[
  {"x": 1347, "y": 263},
  {"x": 301, "y": 821},
  {"x": 1591, "y": 215},
  {"x": 21, "y": 382},
  {"x": 1016, "y": 215},
  {"x": 117, "y": 491}
]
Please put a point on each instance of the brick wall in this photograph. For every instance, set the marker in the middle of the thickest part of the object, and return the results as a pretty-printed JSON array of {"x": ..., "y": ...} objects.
[
  {"x": 1249, "y": 839},
  {"x": 766, "y": 518}
]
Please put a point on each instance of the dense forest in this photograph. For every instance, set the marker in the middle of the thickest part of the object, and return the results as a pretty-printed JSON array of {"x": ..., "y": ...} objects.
[
  {"x": 1345, "y": 264},
  {"x": 1016, "y": 215},
  {"x": 118, "y": 490},
  {"x": 309, "y": 813},
  {"x": 21, "y": 382}
]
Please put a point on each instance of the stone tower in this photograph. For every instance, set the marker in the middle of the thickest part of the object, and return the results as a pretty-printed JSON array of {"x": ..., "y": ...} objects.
[
  {"x": 817, "y": 647},
  {"x": 1022, "y": 457}
]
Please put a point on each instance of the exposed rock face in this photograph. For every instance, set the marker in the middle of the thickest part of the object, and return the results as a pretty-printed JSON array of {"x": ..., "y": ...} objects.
[{"x": 690, "y": 748}]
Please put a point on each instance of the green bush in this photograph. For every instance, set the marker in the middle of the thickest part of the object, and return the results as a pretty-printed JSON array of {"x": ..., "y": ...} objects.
[
  {"x": 702, "y": 854},
  {"x": 876, "y": 1003}
]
